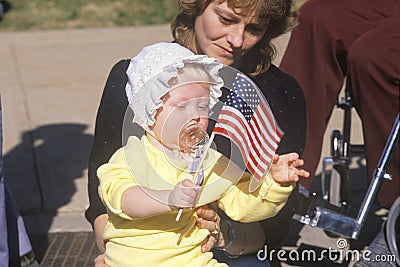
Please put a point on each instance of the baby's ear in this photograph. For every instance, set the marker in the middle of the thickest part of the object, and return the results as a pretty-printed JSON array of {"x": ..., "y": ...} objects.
[
  {"x": 165, "y": 97},
  {"x": 173, "y": 81}
]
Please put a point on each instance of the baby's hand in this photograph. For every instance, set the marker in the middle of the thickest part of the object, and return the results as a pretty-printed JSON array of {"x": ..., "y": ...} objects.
[
  {"x": 184, "y": 195},
  {"x": 285, "y": 168}
]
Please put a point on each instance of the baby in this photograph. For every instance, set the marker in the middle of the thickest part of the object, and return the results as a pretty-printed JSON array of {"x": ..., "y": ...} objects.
[{"x": 147, "y": 182}]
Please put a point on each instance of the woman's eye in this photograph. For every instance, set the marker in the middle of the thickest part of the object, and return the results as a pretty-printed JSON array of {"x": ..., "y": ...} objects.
[
  {"x": 256, "y": 30},
  {"x": 225, "y": 20}
]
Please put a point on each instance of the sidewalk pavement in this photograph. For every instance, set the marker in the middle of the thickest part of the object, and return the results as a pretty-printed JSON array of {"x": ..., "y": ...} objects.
[{"x": 51, "y": 84}]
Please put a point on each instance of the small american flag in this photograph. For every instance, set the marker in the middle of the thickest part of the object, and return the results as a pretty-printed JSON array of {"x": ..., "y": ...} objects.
[{"x": 247, "y": 120}]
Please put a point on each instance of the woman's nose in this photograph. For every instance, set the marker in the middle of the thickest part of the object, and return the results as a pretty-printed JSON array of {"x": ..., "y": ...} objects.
[{"x": 236, "y": 35}]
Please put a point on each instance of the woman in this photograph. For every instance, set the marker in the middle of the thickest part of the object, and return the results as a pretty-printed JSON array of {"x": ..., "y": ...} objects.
[{"x": 238, "y": 33}]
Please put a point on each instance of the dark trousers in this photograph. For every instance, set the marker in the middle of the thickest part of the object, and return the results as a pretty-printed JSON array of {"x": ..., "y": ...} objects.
[
  {"x": 360, "y": 40},
  {"x": 14, "y": 240}
]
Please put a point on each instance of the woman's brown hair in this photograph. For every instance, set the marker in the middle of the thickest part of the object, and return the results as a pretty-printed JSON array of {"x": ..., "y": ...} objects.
[{"x": 259, "y": 58}]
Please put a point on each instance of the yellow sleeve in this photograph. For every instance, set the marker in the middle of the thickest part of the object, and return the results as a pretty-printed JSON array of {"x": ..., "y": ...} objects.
[
  {"x": 115, "y": 179},
  {"x": 241, "y": 205}
]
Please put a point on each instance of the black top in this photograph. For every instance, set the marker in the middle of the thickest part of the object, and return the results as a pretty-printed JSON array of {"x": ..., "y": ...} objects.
[{"x": 282, "y": 91}]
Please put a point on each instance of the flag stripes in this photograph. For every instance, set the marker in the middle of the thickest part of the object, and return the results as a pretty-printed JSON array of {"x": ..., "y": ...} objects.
[{"x": 253, "y": 131}]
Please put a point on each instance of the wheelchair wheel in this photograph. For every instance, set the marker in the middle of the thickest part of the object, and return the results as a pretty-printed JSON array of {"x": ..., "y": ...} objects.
[{"x": 393, "y": 230}]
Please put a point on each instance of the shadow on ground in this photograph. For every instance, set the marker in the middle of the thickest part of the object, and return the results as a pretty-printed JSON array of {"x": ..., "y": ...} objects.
[{"x": 41, "y": 172}]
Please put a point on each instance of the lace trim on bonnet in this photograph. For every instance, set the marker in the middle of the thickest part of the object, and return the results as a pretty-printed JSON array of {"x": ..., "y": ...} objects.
[{"x": 149, "y": 73}]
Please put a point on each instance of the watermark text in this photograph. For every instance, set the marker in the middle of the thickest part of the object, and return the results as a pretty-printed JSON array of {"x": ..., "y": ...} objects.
[{"x": 338, "y": 254}]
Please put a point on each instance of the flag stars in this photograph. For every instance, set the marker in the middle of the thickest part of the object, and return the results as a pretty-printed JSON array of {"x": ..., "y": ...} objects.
[
  {"x": 244, "y": 98},
  {"x": 244, "y": 90}
]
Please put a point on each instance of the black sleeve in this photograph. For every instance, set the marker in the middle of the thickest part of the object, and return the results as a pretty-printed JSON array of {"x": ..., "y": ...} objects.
[
  {"x": 108, "y": 133},
  {"x": 288, "y": 104}
]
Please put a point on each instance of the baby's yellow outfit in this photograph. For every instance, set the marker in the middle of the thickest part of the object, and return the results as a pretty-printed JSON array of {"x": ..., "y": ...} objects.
[{"x": 160, "y": 240}]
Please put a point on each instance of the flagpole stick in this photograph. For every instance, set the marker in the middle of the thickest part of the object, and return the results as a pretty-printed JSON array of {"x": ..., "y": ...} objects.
[
  {"x": 178, "y": 216},
  {"x": 202, "y": 158}
]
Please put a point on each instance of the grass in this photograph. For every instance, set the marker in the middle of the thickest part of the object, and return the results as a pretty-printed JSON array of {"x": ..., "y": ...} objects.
[
  {"x": 61, "y": 14},
  {"x": 26, "y": 15}
]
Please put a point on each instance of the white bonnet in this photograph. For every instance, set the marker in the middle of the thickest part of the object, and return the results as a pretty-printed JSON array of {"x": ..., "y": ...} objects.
[{"x": 149, "y": 73}]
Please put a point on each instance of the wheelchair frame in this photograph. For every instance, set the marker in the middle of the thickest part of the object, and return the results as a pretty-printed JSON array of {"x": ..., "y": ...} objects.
[
  {"x": 332, "y": 216},
  {"x": 341, "y": 150}
]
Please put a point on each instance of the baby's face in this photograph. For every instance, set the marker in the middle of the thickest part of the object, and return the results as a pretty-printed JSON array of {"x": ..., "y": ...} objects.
[{"x": 185, "y": 109}]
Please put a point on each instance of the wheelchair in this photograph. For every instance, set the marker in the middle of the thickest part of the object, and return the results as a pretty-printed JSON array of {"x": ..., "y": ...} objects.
[
  {"x": 330, "y": 210},
  {"x": 335, "y": 186}
]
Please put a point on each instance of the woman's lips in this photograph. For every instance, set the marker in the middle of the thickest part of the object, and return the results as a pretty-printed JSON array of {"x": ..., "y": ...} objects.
[{"x": 225, "y": 51}]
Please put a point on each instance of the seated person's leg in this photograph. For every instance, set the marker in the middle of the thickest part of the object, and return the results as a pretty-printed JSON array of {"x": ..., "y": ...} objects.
[
  {"x": 315, "y": 58},
  {"x": 374, "y": 77}
]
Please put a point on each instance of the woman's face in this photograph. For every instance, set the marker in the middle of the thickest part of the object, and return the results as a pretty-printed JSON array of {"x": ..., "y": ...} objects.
[{"x": 224, "y": 33}]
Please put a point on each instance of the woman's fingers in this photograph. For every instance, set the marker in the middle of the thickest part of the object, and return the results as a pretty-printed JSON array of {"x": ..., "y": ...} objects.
[
  {"x": 207, "y": 213},
  {"x": 99, "y": 261},
  {"x": 209, "y": 219},
  {"x": 209, "y": 244}
]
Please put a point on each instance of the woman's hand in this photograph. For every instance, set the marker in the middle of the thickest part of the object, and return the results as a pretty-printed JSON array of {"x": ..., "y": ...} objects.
[
  {"x": 209, "y": 219},
  {"x": 99, "y": 261},
  {"x": 99, "y": 225}
]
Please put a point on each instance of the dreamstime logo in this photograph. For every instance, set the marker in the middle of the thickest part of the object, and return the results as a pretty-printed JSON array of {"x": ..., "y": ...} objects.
[
  {"x": 331, "y": 254},
  {"x": 341, "y": 243}
]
